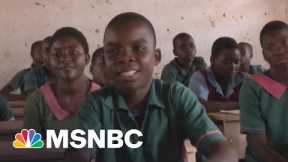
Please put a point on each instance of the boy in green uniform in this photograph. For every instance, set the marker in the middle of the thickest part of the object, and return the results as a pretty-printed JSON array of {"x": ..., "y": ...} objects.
[
  {"x": 246, "y": 51},
  {"x": 185, "y": 63},
  {"x": 29, "y": 79},
  {"x": 166, "y": 113},
  {"x": 264, "y": 100}
]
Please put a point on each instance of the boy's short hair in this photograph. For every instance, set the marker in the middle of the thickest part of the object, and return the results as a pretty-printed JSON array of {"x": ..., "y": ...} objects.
[
  {"x": 270, "y": 27},
  {"x": 221, "y": 44},
  {"x": 70, "y": 32},
  {"x": 47, "y": 39},
  {"x": 35, "y": 45},
  {"x": 129, "y": 17},
  {"x": 99, "y": 52},
  {"x": 245, "y": 44},
  {"x": 179, "y": 36}
]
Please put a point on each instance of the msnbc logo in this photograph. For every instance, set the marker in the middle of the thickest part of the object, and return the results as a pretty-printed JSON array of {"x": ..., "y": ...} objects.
[{"x": 28, "y": 139}]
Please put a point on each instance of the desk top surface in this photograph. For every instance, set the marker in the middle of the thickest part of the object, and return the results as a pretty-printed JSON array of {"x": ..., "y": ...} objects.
[
  {"x": 8, "y": 127},
  {"x": 224, "y": 116}
]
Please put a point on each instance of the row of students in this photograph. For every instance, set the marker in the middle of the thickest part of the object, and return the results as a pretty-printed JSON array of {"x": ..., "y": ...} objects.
[
  {"x": 262, "y": 101},
  {"x": 135, "y": 100}
]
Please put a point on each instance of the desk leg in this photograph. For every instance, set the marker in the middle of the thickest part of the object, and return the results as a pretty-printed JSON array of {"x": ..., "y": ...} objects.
[{"x": 237, "y": 140}]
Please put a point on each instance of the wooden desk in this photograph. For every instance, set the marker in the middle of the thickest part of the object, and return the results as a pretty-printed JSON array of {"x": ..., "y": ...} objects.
[
  {"x": 8, "y": 153},
  {"x": 230, "y": 126},
  {"x": 8, "y": 129}
]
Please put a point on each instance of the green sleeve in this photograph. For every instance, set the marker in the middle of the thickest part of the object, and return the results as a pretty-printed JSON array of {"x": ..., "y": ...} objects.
[
  {"x": 18, "y": 80},
  {"x": 32, "y": 112},
  {"x": 30, "y": 82},
  {"x": 168, "y": 74},
  {"x": 89, "y": 114},
  {"x": 5, "y": 111},
  {"x": 89, "y": 117},
  {"x": 249, "y": 100},
  {"x": 194, "y": 119}
]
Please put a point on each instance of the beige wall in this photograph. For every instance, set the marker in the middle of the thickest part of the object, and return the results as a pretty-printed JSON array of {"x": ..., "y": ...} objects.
[{"x": 23, "y": 22}]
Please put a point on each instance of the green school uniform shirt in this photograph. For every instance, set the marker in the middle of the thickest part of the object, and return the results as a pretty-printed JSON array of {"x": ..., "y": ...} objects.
[
  {"x": 264, "y": 108},
  {"x": 18, "y": 80},
  {"x": 172, "y": 114},
  {"x": 42, "y": 111},
  {"x": 173, "y": 72},
  {"x": 38, "y": 116},
  {"x": 29, "y": 79},
  {"x": 5, "y": 112}
]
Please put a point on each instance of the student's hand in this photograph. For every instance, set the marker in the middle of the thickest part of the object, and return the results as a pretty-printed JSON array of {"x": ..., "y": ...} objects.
[{"x": 220, "y": 152}]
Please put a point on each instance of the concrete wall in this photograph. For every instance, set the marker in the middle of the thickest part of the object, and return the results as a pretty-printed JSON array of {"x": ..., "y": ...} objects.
[{"x": 23, "y": 22}]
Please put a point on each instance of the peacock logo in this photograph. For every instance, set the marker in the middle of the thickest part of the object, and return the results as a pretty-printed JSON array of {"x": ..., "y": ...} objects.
[{"x": 28, "y": 139}]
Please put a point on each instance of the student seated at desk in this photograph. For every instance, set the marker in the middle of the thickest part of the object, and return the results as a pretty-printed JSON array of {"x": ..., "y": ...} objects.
[
  {"x": 264, "y": 100},
  {"x": 56, "y": 104},
  {"x": 185, "y": 62},
  {"x": 29, "y": 79},
  {"x": 98, "y": 69},
  {"x": 218, "y": 87},
  {"x": 5, "y": 111},
  {"x": 246, "y": 51},
  {"x": 166, "y": 113}
]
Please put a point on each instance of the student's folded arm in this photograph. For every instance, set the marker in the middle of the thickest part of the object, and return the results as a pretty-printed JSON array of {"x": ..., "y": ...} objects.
[
  {"x": 6, "y": 90},
  {"x": 202, "y": 132},
  {"x": 14, "y": 83},
  {"x": 198, "y": 85},
  {"x": 253, "y": 124},
  {"x": 168, "y": 75}
]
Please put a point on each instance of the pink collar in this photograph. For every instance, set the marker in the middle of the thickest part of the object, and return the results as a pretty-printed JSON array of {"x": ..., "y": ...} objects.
[
  {"x": 53, "y": 104},
  {"x": 273, "y": 87}
]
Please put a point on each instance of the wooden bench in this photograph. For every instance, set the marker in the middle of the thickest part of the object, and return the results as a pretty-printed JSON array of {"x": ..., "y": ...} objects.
[
  {"x": 16, "y": 104},
  {"x": 8, "y": 153},
  {"x": 230, "y": 126},
  {"x": 18, "y": 112}
]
